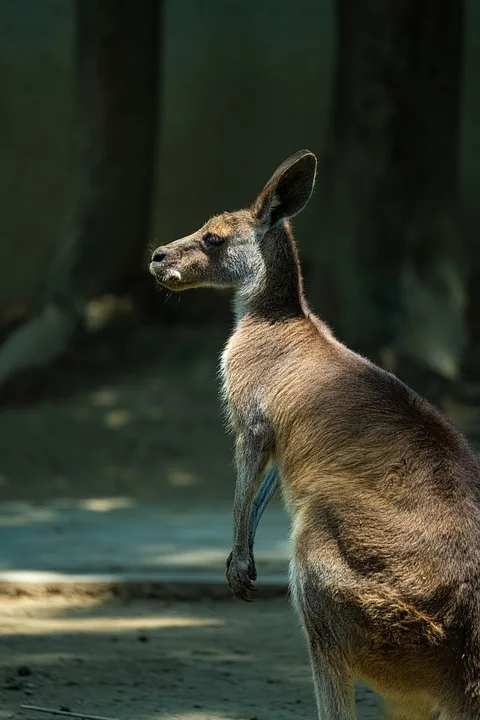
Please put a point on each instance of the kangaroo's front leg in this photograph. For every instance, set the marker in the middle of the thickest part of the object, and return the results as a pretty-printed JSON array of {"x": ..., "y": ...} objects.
[{"x": 253, "y": 449}]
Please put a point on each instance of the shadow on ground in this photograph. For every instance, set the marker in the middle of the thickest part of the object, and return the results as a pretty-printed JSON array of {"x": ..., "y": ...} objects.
[
  {"x": 149, "y": 660},
  {"x": 136, "y": 416},
  {"x": 140, "y": 419}
]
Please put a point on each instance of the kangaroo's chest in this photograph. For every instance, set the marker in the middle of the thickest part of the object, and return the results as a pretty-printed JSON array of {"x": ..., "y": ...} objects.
[
  {"x": 240, "y": 387},
  {"x": 245, "y": 373}
]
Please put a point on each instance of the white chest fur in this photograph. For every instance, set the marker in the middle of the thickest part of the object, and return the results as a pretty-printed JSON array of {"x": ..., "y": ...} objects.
[{"x": 224, "y": 378}]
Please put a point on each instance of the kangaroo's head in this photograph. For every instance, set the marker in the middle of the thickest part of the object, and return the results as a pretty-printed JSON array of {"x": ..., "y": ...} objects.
[{"x": 227, "y": 250}]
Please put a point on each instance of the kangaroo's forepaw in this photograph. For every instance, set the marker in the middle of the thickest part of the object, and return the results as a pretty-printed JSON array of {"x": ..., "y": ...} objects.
[{"x": 240, "y": 573}]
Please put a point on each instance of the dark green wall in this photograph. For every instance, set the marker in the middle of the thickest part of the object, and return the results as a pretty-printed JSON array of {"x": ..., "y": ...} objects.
[{"x": 245, "y": 84}]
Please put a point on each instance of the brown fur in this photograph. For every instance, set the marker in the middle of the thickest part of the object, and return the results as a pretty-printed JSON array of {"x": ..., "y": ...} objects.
[{"x": 382, "y": 490}]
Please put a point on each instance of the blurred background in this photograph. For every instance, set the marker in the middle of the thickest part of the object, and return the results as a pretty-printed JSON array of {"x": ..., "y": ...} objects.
[{"x": 125, "y": 125}]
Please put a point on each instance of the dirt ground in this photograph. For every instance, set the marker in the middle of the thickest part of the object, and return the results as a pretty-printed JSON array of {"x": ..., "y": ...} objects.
[
  {"x": 146, "y": 426},
  {"x": 136, "y": 414},
  {"x": 143, "y": 660}
]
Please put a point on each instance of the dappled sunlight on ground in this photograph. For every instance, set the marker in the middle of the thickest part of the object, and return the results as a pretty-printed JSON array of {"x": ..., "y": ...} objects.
[
  {"x": 102, "y": 625},
  {"x": 120, "y": 534},
  {"x": 25, "y": 513},
  {"x": 143, "y": 423},
  {"x": 148, "y": 660}
]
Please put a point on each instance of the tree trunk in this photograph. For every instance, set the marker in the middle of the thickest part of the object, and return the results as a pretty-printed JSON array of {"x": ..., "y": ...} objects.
[
  {"x": 391, "y": 279},
  {"x": 117, "y": 76}
]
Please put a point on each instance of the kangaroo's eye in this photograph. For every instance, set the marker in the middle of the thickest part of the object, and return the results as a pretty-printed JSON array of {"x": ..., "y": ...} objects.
[{"x": 212, "y": 240}]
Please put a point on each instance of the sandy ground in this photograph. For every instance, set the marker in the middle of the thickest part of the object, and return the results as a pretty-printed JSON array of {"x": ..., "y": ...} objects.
[{"x": 145, "y": 660}]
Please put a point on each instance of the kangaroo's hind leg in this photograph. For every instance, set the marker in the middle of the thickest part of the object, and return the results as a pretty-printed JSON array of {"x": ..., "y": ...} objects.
[
  {"x": 333, "y": 683},
  {"x": 333, "y": 686}
]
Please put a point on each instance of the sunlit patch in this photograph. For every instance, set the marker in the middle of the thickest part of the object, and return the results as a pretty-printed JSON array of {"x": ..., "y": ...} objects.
[
  {"x": 103, "y": 398},
  {"x": 19, "y": 514},
  {"x": 198, "y": 715},
  {"x": 102, "y": 504},
  {"x": 46, "y": 659},
  {"x": 194, "y": 558},
  {"x": 117, "y": 418},
  {"x": 105, "y": 504},
  {"x": 181, "y": 478},
  {"x": 101, "y": 624}
]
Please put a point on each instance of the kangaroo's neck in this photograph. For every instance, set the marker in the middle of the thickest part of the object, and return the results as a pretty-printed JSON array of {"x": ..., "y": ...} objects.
[{"x": 276, "y": 291}]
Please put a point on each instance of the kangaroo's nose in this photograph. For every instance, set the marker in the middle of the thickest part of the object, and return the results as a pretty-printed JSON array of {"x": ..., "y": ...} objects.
[{"x": 159, "y": 255}]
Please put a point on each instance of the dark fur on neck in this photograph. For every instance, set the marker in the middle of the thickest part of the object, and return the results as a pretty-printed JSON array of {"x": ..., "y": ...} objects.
[{"x": 278, "y": 295}]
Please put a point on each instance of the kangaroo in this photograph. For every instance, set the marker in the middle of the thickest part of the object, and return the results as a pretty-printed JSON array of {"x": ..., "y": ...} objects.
[{"x": 383, "y": 492}]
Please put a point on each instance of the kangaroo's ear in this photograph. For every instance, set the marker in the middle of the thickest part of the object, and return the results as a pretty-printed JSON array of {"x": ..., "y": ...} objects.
[{"x": 288, "y": 190}]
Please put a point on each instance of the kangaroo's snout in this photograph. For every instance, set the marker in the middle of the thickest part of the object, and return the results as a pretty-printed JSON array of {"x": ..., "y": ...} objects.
[{"x": 164, "y": 272}]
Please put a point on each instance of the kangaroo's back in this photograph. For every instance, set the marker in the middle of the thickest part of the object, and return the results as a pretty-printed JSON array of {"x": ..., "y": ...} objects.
[{"x": 336, "y": 411}]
